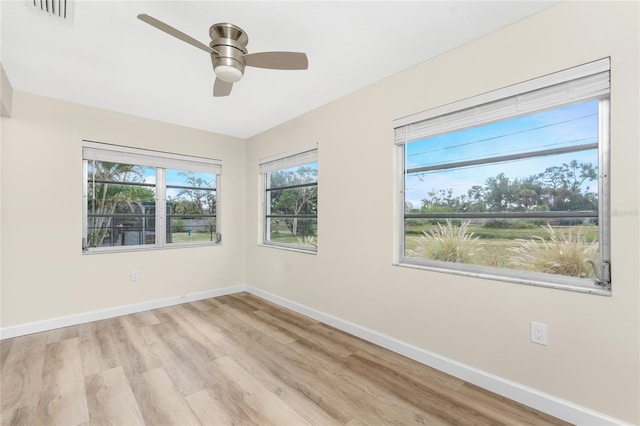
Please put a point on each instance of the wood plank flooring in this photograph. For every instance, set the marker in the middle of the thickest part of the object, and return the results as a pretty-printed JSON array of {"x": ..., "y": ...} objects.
[{"x": 230, "y": 360}]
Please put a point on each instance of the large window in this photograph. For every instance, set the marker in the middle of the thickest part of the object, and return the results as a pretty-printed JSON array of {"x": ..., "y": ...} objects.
[
  {"x": 135, "y": 198},
  {"x": 291, "y": 200},
  {"x": 513, "y": 184}
]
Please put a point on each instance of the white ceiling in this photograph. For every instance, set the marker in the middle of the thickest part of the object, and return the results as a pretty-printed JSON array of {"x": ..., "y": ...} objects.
[{"x": 107, "y": 58}]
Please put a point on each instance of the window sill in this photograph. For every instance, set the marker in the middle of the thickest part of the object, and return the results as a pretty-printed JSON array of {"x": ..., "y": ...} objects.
[
  {"x": 288, "y": 248},
  {"x": 104, "y": 250},
  {"x": 577, "y": 287}
]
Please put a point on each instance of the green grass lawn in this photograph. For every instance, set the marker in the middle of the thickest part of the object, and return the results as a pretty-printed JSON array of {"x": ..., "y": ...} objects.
[{"x": 288, "y": 238}]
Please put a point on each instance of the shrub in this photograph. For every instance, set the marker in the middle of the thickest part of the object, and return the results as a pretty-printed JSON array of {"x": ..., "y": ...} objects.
[
  {"x": 513, "y": 224},
  {"x": 448, "y": 243},
  {"x": 562, "y": 254},
  {"x": 177, "y": 224}
]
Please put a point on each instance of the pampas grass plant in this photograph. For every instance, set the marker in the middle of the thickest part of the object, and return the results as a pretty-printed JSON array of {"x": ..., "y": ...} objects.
[
  {"x": 563, "y": 253},
  {"x": 447, "y": 243},
  {"x": 308, "y": 240}
]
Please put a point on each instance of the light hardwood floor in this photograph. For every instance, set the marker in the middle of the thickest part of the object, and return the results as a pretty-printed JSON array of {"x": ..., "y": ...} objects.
[{"x": 230, "y": 360}]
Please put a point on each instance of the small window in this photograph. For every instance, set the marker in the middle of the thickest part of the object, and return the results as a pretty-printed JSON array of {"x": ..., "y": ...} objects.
[
  {"x": 513, "y": 188},
  {"x": 291, "y": 201},
  {"x": 191, "y": 207},
  {"x": 147, "y": 199}
]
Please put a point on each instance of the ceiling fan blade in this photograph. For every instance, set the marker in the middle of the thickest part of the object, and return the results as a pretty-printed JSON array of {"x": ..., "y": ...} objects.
[
  {"x": 277, "y": 60},
  {"x": 176, "y": 33},
  {"x": 221, "y": 88}
]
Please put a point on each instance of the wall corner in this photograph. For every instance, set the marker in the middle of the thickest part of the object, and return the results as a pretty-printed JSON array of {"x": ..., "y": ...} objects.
[{"x": 6, "y": 94}]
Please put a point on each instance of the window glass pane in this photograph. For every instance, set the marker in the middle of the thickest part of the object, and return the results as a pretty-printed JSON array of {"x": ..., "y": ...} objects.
[
  {"x": 292, "y": 206},
  {"x": 561, "y": 182},
  {"x": 191, "y": 207},
  {"x": 567, "y": 126},
  {"x": 294, "y": 201},
  {"x": 519, "y": 194},
  {"x": 306, "y": 235},
  {"x": 555, "y": 246},
  {"x": 121, "y": 204},
  {"x": 306, "y": 173}
]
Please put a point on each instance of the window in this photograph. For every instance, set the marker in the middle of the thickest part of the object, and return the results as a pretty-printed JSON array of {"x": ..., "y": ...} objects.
[
  {"x": 291, "y": 200},
  {"x": 513, "y": 184},
  {"x": 136, "y": 198}
]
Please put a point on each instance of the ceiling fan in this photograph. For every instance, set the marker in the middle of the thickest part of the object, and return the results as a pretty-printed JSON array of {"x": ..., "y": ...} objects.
[{"x": 228, "y": 50}]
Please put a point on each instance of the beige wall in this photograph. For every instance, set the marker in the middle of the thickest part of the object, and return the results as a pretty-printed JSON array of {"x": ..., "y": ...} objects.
[
  {"x": 593, "y": 356},
  {"x": 44, "y": 273}
]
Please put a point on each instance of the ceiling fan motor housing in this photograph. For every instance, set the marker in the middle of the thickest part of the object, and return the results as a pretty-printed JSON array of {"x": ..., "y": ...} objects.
[{"x": 231, "y": 42}]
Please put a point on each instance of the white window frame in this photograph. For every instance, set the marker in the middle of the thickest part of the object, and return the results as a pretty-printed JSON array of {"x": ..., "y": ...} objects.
[
  {"x": 283, "y": 161},
  {"x": 161, "y": 161},
  {"x": 589, "y": 81}
]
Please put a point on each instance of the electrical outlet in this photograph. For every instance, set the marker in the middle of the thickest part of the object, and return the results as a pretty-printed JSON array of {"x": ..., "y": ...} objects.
[
  {"x": 135, "y": 275},
  {"x": 539, "y": 333}
]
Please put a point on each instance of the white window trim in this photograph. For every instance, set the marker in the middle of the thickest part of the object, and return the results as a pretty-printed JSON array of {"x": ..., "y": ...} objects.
[
  {"x": 160, "y": 160},
  {"x": 144, "y": 157},
  {"x": 594, "y": 72}
]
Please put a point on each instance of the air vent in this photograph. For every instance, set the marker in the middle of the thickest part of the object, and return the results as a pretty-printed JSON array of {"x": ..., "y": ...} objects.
[{"x": 59, "y": 8}]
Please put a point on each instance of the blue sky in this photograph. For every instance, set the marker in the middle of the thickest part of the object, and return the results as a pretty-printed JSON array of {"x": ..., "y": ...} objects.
[
  {"x": 570, "y": 125},
  {"x": 173, "y": 177}
]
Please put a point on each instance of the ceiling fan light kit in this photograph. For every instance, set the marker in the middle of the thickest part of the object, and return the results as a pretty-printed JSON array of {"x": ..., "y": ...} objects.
[
  {"x": 228, "y": 73},
  {"x": 228, "y": 51}
]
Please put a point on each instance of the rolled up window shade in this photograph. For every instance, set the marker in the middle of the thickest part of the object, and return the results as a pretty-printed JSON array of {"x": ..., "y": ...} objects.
[
  {"x": 272, "y": 164},
  {"x": 587, "y": 81},
  {"x": 125, "y": 155}
]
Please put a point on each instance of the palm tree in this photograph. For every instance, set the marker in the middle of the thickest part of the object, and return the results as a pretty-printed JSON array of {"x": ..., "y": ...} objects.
[{"x": 110, "y": 192}]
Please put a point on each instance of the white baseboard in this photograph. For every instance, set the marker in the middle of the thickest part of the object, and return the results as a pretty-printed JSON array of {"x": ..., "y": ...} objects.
[
  {"x": 544, "y": 402},
  {"x": 530, "y": 397},
  {"x": 69, "y": 320}
]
